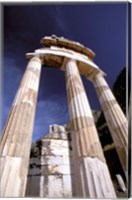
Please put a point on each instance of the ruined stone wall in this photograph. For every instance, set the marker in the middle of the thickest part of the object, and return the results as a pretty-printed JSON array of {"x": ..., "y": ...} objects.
[{"x": 50, "y": 165}]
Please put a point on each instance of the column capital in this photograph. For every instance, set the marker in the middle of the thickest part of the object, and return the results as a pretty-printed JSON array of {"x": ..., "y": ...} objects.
[
  {"x": 65, "y": 61},
  {"x": 30, "y": 56},
  {"x": 36, "y": 58},
  {"x": 94, "y": 74}
]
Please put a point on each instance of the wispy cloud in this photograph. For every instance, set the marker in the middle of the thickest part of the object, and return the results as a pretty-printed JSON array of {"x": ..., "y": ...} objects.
[
  {"x": 51, "y": 111},
  {"x": 11, "y": 79}
]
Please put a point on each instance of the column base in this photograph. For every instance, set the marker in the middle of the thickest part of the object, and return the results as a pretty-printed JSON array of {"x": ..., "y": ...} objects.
[
  {"x": 92, "y": 179},
  {"x": 12, "y": 173}
]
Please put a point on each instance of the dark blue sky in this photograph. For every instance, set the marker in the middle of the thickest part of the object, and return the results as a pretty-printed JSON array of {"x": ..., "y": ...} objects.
[{"x": 101, "y": 27}]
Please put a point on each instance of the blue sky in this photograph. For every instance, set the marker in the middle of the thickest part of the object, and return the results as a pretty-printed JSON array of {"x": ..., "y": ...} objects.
[{"x": 99, "y": 26}]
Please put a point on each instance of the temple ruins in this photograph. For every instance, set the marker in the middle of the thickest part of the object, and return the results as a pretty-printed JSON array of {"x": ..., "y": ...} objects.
[{"x": 91, "y": 175}]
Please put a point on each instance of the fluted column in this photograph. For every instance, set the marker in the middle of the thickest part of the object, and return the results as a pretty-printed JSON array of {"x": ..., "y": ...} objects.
[
  {"x": 17, "y": 134},
  {"x": 91, "y": 175},
  {"x": 115, "y": 118}
]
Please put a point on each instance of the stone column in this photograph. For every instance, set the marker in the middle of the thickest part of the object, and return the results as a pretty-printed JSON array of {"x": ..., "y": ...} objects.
[
  {"x": 17, "y": 134},
  {"x": 91, "y": 175},
  {"x": 115, "y": 118}
]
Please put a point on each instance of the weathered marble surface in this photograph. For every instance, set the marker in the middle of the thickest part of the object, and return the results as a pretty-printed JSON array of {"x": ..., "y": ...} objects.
[
  {"x": 17, "y": 135},
  {"x": 90, "y": 169},
  {"x": 116, "y": 120},
  {"x": 50, "y": 165}
]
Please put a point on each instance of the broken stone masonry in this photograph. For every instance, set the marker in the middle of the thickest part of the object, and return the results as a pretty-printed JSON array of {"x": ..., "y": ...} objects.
[{"x": 50, "y": 170}]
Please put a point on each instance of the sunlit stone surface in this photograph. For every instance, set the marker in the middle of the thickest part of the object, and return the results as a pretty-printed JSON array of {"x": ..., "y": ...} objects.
[
  {"x": 51, "y": 173},
  {"x": 17, "y": 134},
  {"x": 50, "y": 165},
  {"x": 116, "y": 120},
  {"x": 90, "y": 169}
]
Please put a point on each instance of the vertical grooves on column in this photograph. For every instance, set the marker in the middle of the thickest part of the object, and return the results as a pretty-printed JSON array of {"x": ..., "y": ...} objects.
[
  {"x": 75, "y": 121},
  {"x": 122, "y": 137},
  {"x": 96, "y": 178},
  {"x": 113, "y": 110},
  {"x": 12, "y": 123},
  {"x": 90, "y": 167},
  {"x": 78, "y": 105},
  {"x": 5, "y": 173},
  {"x": 79, "y": 110},
  {"x": 9, "y": 123},
  {"x": 31, "y": 92},
  {"x": 15, "y": 126},
  {"x": 76, "y": 100},
  {"x": 5, "y": 133},
  {"x": 16, "y": 139},
  {"x": 72, "y": 94},
  {"x": 83, "y": 138},
  {"x": 115, "y": 118}
]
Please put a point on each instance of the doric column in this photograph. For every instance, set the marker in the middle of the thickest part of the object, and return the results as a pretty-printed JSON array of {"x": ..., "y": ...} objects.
[
  {"x": 91, "y": 175},
  {"x": 17, "y": 134},
  {"x": 115, "y": 118}
]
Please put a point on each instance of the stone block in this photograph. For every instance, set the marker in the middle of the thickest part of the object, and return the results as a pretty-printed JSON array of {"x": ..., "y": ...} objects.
[
  {"x": 52, "y": 160},
  {"x": 65, "y": 169},
  {"x": 64, "y": 136},
  {"x": 59, "y": 147},
  {"x": 55, "y": 186},
  {"x": 61, "y": 169},
  {"x": 61, "y": 143},
  {"x": 44, "y": 184},
  {"x": 55, "y": 169},
  {"x": 67, "y": 160},
  {"x": 67, "y": 185},
  {"x": 60, "y": 152}
]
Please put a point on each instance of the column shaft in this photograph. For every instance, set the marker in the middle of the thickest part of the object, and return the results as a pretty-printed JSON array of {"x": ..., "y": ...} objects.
[
  {"x": 17, "y": 134},
  {"x": 92, "y": 179},
  {"x": 115, "y": 118}
]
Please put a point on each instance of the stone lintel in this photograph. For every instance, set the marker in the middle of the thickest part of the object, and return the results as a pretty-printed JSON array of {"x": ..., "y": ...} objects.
[{"x": 63, "y": 42}]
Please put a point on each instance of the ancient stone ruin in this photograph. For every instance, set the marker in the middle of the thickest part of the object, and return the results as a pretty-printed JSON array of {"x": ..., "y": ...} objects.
[{"x": 91, "y": 174}]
